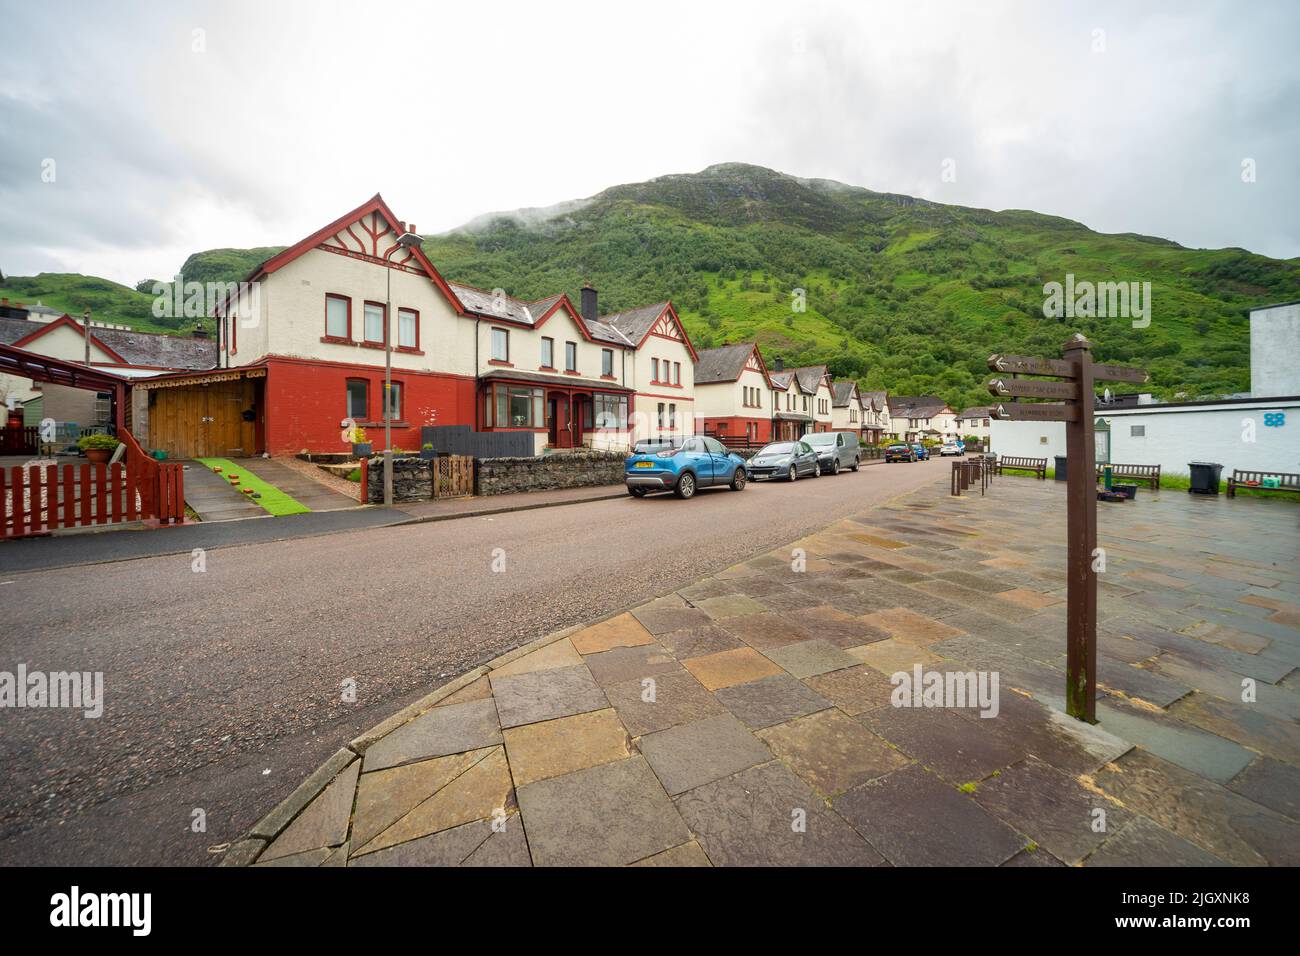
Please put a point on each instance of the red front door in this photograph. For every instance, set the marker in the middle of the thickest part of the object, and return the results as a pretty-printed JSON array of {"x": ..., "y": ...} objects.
[{"x": 557, "y": 413}]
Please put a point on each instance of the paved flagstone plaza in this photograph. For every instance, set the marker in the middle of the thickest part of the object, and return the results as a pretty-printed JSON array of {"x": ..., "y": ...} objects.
[{"x": 746, "y": 719}]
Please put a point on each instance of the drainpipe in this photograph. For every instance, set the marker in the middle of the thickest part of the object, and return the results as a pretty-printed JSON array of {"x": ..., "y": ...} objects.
[{"x": 478, "y": 411}]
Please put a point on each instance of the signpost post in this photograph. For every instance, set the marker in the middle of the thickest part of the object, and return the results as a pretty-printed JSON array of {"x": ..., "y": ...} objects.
[{"x": 1076, "y": 411}]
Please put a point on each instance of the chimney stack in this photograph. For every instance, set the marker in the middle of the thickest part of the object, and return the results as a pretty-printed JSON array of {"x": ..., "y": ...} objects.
[
  {"x": 589, "y": 311},
  {"x": 779, "y": 365}
]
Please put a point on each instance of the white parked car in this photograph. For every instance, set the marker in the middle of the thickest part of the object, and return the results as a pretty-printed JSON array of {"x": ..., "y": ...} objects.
[{"x": 951, "y": 448}]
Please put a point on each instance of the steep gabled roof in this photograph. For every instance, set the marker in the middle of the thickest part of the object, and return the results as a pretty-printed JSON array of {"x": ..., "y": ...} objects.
[
  {"x": 878, "y": 399},
  {"x": 148, "y": 349},
  {"x": 842, "y": 393},
  {"x": 637, "y": 324},
  {"x": 975, "y": 411},
  {"x": 726, "y": 363},
  {"x": 810, "y": 377},
  {"x": 781, "y": 379},
  {"x": 339, "y": 236},
  {"x": 916, "y": 406}
]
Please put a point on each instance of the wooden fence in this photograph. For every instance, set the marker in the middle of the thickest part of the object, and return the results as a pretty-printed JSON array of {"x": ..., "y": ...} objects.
[
  {"x": 41, "y": 498},
  {"x": 19, "y": 441}
]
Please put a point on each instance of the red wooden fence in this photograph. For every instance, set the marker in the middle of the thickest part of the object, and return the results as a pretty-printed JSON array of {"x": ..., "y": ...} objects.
[
  {"x": 19, "y": 441},
  {"x": 44, "y": 498}
]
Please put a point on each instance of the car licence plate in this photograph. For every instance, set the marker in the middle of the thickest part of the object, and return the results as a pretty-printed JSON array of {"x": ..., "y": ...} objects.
[{"x": 645, "y": 464}]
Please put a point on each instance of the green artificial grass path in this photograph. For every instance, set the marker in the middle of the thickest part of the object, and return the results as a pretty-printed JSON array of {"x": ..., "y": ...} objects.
[{"x": 272, "y": 499}]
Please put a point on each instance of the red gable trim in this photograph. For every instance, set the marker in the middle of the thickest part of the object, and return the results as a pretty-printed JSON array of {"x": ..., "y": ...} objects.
[
  {"x": 374, "y": 204},
  {"x": 763, "y": 366},
  {"x": 672, "y": 313},
  {"x": 66, "y": 320}
]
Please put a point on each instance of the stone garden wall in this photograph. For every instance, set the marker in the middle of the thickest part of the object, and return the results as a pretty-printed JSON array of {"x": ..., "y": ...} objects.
[
  {"x": 504, "y": 476},
  {"x": 412, "y": 479}
]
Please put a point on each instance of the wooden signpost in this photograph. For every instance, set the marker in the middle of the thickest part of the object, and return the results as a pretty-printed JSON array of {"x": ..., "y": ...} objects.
[{"x": 1076, "y": 410}]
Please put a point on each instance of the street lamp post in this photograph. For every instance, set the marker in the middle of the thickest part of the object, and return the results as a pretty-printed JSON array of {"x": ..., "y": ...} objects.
[{"x": 406, "y": 240}]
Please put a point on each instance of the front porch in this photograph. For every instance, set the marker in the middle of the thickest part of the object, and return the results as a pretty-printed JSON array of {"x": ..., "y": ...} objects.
[{"x": 562, "y": 415}]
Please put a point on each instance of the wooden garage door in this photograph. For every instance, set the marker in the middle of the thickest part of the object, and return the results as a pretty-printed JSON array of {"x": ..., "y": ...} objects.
[{"x": 202, "y": 420}]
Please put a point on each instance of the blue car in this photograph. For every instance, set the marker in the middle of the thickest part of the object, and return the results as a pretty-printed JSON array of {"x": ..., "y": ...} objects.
[
  {"x": 922, "y": 453},
  {"x": 683, "y": 467}
]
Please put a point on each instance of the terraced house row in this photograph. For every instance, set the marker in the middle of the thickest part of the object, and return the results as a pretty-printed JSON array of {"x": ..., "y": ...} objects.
[
  {"x": 302, "y": 358},
  {"x": 306, "y": 354}
]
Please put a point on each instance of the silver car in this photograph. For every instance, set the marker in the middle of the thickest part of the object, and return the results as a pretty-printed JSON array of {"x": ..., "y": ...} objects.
[
  {"x": 783, "y": 459},
  {"x": 835, "y": 450}
]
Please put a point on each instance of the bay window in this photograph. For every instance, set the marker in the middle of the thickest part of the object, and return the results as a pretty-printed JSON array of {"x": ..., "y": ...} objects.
[
  {"x": 610, "y": 411},
  {"x": 513, "y": 406}
]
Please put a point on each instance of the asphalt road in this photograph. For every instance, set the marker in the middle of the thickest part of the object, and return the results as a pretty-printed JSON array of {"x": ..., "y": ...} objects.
[{"x": 223, "y": 688}]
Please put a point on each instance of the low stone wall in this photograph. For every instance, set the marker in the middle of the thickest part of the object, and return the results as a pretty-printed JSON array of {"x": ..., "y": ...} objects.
[
  {"x": 412, "y": 479},
  {"x": 504, "y": 476}
]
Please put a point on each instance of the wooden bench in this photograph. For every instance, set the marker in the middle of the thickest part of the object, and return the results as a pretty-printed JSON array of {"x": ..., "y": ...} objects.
[
  {"x": 1037, "y": 465},
  {"x": 1148, "y": 473},
  {"x": 1242, "y": 479}
]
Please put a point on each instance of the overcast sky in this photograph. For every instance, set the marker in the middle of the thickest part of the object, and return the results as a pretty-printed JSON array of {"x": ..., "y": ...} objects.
[{"x": 178, "y": 127}]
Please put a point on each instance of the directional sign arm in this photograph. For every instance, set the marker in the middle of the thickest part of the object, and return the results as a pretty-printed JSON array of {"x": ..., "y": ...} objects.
[
  {"x": 1034, "y": 388},
  {"x": 1120, "y": 373},
  {"x": 1031, "y": 365},
  {"x": 1042, "y": 412}
]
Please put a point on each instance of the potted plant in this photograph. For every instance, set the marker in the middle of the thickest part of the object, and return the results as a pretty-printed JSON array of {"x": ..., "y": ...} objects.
[
  {"x": 360, "y": 444},
  {"x": 426, "y": 451},
  {"x": 97, "y": 448}
]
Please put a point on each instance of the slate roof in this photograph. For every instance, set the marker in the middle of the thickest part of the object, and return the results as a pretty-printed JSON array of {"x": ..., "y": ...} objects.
[
  {"x": 841, "y": 393},
  {"x": 881, "y": 399},
  {"x": 162, "y": 351},
  {"x": 722, "y": 364},
  {"x": 508, "y": 307},
  {"x": 810, "y": 377},
  {"x": 635, "y": 323},
  {"x": 782, "y": 378},
  {"x": 916, "y": 406},
  {"x": 137, "y": 348},
  {"x": 975, "y": 411},
  {"x": 11, "y": 330}
]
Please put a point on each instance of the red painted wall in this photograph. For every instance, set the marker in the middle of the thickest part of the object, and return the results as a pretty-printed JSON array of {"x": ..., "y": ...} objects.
[
  {"x": 306, "y": 400},
  {"x": 735, "y": 427}
]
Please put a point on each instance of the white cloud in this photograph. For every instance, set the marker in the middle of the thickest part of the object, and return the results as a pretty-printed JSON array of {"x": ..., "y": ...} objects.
[{"x": 294, "y": 112}]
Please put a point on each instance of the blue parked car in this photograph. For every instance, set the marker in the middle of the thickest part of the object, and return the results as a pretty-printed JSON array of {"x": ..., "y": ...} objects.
[
  {"x": 922, "y": 453},
  {"x": 683, "y": 467}
]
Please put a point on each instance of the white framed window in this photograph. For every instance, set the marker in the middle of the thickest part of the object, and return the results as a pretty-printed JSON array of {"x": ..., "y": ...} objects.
[
  {"x": 571, "y": 356},
  {"x": 500, "y": 345},
  {"x": 408, "y": 329},
  {"x": 607, "y": 362},
  {"x": 338, "y": 316},
  {"x": 548, "y": 353},
  {"x": 374, "y": 327}
]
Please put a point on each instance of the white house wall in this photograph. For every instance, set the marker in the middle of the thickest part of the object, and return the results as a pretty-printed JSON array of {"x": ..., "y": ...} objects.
[{"x": 1175, "y": 437}]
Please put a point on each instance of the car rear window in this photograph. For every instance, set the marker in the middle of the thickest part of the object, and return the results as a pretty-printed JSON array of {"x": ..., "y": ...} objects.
[{"x": 780, "y": 448}]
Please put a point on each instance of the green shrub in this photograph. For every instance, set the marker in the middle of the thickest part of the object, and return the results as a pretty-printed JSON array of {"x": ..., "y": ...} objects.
[{"x": 86, "y": 442}]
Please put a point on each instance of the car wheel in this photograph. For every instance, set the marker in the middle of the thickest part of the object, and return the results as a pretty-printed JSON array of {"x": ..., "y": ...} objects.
[
  {"x": 856, "y": 462},
  {"x": 794, "y": 473},
  {"x": 637, "y": 492},
  {"x": 835, "y": 466},
  {"x": 685, "y": 486},
  {"x": 738, "y": 480}
]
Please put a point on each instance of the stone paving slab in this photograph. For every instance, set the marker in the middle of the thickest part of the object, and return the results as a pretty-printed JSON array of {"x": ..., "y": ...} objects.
[{"x": 753, "y": 718}]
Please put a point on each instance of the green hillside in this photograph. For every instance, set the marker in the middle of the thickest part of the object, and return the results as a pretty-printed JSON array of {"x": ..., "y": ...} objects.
[
  {"x": 901, "y": 293},
  {"x": 107, "y": 301}
]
